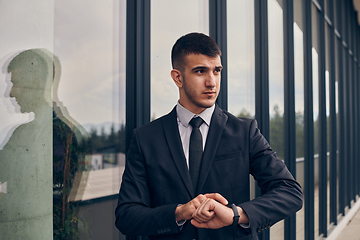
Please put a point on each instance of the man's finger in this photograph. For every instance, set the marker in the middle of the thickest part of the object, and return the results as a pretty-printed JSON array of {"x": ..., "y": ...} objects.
[
  {"x": 218, "y": 197},
  {"x": 198, "y": 200},
  {"x": 202, "y": 219},
  {"x": 198, "y": 225},
  {"x": 203, "y": 213},
  {"x": 203, "y": 216}
]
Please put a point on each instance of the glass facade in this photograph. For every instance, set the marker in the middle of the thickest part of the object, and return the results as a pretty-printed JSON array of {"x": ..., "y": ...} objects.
[
  {"x": 315, "y": 81},
  {"x": 66, "y": 97},
  {"x": 299, "y": 107},
  {"x": 63, "y": 120},
  {"x": 241, "y": 58},
  {"x": 165, "y": 30},
  {"x": 89, "y": 117},
  {"x": 276, "y": 90}
]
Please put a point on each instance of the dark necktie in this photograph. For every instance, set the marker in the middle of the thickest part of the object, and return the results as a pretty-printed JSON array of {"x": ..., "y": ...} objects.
[{"x": 195, "y": 150}]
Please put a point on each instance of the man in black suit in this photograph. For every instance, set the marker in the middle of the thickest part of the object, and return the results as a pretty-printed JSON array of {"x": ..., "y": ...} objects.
[{"x": 160, "y": 198}]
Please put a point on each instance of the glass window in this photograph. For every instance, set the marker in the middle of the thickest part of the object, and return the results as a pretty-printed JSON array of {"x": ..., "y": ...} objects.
[
  {"x": 276, "y": 89},
  {"x": 325, "y": 8},
  {"x": 241, "y": 62},
  {"x": 338, "y": 78},
  {"x": 166, "y": 27},
  {"x": 62, "y": 119},
  {"x": 26, "y": 120},
  {"x": 299, "y": 109},
  {"x": 241, "y": 58},
  {"x": 335, "y": 3},
  {"x": 315, "y": 66},
  {"x": 89, "y": 117},
  {"x": 327, "y": 93}
]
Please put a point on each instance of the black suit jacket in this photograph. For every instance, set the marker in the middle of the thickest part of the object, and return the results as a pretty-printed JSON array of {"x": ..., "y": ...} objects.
[{"x": 156, "y": 179}]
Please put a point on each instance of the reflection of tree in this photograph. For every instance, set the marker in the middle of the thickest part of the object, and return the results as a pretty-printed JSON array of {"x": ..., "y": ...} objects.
[
  {"x": 69, "y": 166},
  {"x": 72, "y": 147},
  {"x": 277, "y": 132},
  {"x": 104, "y": 140},
  {"x": 68, "y": 159},
  {"x": 245, "y": 114},
  {"x": 299, "y": 134},
  {"x": 317, "y": 136}
]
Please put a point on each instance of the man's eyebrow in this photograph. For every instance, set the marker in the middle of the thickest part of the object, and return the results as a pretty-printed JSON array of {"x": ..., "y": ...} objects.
[
  {"x": 199, "y": 68},
  {"x": 205, "y": 68}
]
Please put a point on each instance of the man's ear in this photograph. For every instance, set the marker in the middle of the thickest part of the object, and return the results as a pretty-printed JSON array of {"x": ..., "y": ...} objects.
[{"x": 177, "y": 77}]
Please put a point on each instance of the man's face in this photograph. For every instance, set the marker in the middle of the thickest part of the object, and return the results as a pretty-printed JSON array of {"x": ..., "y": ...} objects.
[
  {"x": 200, "y": 82},
  {"x": 23, "y": 91},
  {"x": 16, "y": 90}
]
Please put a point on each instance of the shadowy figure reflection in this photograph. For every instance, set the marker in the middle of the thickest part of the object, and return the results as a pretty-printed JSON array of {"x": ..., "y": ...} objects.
[
  {"x": 26, "y": 165},
  {"x": 69, "y": 166},
  {"x": 25, "y": 161}
]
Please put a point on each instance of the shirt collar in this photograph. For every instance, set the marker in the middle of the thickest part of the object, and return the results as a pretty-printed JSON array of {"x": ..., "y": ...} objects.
[{"x": 185, "y": 115}]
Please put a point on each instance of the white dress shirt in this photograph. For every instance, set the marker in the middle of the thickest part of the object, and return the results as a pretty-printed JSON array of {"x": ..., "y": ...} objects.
[{"x": 184, "y": 116}]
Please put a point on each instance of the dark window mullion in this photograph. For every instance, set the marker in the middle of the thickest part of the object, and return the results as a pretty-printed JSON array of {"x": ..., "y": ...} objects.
[
  {"x": 308, "y": 123},
  {"x": 137, "y": 69},
  {"x": 332, "y": 122},
  {"x": 262, "y": 68},
  {"x": 289, "y": 105},
  {"x": 357, "y": 110},
  {"x": 355, "y": 98},
  {"x": 352, "y": 20},
  {"x": 341, "y": 113},
  {"x": 347, "y": 94},
  {"x": 262, "y": 78},
  {"x": 218, "y": 31},
  {"x": 137, "y": 65},
  {"x": 322, "y": 125}
]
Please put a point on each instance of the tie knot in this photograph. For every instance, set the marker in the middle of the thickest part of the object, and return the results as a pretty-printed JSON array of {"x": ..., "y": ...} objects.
[{"x": 196, "y": 122}]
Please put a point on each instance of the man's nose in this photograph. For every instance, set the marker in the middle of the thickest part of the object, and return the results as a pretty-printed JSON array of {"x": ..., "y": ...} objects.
[
  {"x": 12, "y": 93},
  {"x": 211, "y": 80}
]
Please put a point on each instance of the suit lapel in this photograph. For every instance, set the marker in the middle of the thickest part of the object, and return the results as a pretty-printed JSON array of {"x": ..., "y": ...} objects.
[
  {"x": 217, "y": 125},
  {"x": 173, "y": 139}
]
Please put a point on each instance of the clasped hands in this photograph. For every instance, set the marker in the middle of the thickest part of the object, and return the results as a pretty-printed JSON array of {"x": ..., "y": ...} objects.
[{"x": 208, "y": 211}]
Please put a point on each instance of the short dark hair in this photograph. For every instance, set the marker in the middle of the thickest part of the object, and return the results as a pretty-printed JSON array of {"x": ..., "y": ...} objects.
[{"x": 196, "y": 43}]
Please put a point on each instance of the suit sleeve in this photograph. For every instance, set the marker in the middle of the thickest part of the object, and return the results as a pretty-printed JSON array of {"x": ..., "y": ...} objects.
[
  {"x": 134, "y": 214},
  {"x": 281, "y": 194}
]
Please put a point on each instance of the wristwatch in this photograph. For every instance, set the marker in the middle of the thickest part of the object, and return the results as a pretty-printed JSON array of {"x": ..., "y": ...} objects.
[{"x": 236, "y": 214}]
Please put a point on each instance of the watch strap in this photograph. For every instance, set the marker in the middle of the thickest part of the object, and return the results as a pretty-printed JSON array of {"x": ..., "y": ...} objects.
[{"x": 236, "y": 214}]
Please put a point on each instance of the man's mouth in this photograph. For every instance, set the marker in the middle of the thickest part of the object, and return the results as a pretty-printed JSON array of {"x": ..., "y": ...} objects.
[{"x": 210, "y": 93}]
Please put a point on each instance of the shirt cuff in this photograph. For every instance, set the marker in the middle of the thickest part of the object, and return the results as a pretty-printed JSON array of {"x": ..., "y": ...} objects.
[
  {"x": 180, "y": 223},
  {"x": 243, "y": 225}
]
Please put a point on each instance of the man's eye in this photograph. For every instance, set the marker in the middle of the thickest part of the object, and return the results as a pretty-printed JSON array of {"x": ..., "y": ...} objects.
[{"x": 199, "y": 71}]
